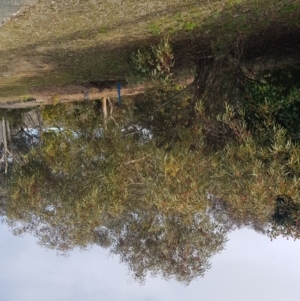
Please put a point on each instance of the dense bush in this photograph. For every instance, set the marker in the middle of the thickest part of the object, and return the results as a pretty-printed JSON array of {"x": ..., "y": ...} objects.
[
  {"x": 268, "y": 102},
  {"x": 154, "y": 62}
]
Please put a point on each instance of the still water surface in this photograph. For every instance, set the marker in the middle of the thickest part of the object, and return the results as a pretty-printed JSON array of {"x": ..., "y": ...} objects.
[
  {"x": 79, "y": 187},
  {"x": 251, "y": 268},
  {"x": 168, "y": 192}
]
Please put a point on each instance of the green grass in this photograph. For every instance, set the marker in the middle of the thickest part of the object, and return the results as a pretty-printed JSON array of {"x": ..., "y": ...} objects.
[
  {"x": 288, "y": 8},
  {"x": 155, "y": 28},
  {"x": 82, "y": 40}
]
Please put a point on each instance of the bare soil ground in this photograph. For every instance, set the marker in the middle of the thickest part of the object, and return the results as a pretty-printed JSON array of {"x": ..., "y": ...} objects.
[
  {"x": 51, "y": 47},
  {"x": 49, "y": 95}
]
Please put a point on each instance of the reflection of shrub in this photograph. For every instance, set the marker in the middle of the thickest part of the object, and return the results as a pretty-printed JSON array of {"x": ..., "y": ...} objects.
[
  {"x": 269, "y": 103},
  {"x": 285, "y": 220},
  {"x": 14, "y": 117},
  {"x": 286, "y": 210}
]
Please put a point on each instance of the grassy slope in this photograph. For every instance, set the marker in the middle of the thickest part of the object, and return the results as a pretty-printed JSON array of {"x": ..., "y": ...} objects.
[{"x": 65, "y": 41}]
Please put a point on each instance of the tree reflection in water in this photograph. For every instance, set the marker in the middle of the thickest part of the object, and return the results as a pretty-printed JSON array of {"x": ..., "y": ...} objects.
[{"x": 160, "y": 185}]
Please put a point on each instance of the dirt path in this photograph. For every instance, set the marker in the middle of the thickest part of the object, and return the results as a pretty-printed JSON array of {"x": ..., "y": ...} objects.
[{"x": 74, "y": 93}]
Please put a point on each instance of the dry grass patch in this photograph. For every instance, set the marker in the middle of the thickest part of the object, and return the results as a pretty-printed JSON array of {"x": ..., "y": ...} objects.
[{"x": 66, "y": 41}]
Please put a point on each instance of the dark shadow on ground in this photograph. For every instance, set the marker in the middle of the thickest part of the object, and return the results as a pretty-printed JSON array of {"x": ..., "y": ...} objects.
[{"x": 112, "y": 60}]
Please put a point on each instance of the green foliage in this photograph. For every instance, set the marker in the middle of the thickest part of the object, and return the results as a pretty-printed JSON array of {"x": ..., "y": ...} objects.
[
  {"x": 183, "y": 23},
  {"x": 170, "y": 108},
  {"x": 154, "y": 201},
  {"x": 155, "y": 28},
  {"x": 154, "y": 62},
  {"x": 190, "y": 26},
  {"x": 166, "y": 245},
  {"x": 233, "y": 2},
  {"x": 285, "y": 220},
  {"x": 288, "y": 8},
  {"x": 14, "y": 117},
  {"x": 87, "y": 176},
  {"x": 267, "y": 102}
]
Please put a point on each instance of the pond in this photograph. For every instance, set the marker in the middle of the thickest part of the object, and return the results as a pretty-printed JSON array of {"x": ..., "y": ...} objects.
[
  {"x": 150, "y": 150},
  {"x": 250, "y": 268},
  {"x": 133, "y": 213}
]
